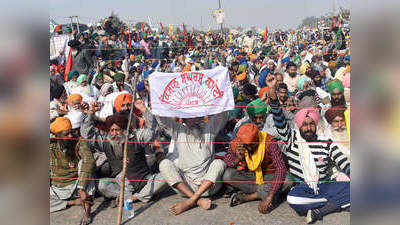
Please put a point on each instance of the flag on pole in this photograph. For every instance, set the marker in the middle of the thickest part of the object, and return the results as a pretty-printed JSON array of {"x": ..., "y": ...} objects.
[
  {"x": 171, "y": 29},
  {"x": 184, "y": 30},
  {"x": 68, "y": 65},
  {"x": 266, "y": 34},
  {"x": 129, "y": 41},
  {"x": 162, "y": 27}
]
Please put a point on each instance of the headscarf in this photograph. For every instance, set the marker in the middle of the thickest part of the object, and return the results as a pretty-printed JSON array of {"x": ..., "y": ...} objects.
[
  {"x": 335, "y": 84},
  {"x": 304, "y": 67},
  {"x": 121, "y": 99},
  {"x": 76, "y": 118},
  {"x": 104, "y": 88},
  {"x": 256, "y": 107},
  {"x": 263, "y": 76},
  {"x": 346, "y": 80},
  {"x": 82, "y": 78},
  {"x": 240, "y": 76},
  {"x": 60, "y": 124},
  {"x": 140, "y": 86},
  {"x": 118, "y": 119},
  {"x": 285, "y": 60},
  {"x": 72, "y": 73},
  {"x": 302, "y": 114},
  {"x": 119, "y": 77},
  {"x": 332, "y": 113},
  {"x": 67, "y": 29},
  {"x": 262, "y": 90},
  {"x": 307, "y": 102},
  {"x": 74, "y": 98},
  {"x": 94, "y": 35},
  {"x": 59, "y": 67},
  {"x": 332, "y": 65},
  {"x": 146, "y": 73},
  {"x": 248, "y": 134},
  {"x": 57, "y": 28},
  {"x": 301, "y": 81}
]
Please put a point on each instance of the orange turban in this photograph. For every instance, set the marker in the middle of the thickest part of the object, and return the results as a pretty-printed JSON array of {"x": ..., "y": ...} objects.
[
  {"x": 187, "y": 68},
  {"x": 132, "y": 57},
  {"x": 241, "y": 76},
  {"x": 60, "y": 124},
  {"x": 121, "y": 99},
  {"x": 252, "y": 57},
  {"x": 74, "y": 98},
  {"x": 57, "y": 28},
  {"x": 261, "y": 91},
  {"x": 104, "y": 39},
  {"x": 248, "y": 134}
]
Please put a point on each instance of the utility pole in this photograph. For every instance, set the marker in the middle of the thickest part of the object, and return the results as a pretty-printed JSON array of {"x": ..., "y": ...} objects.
[
  {"x": 219, "y": 7},
  {"x": 334, "y": 6},
  {"x": 77, "y": 20}
]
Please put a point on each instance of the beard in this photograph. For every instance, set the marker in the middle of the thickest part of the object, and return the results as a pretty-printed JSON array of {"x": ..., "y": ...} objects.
[
  {"x": 317, "y": 83},
  {"x": 283, "y": 99},
  {"x": 125, "y": 112},
  {"x": 292, "y": 74},
  {"x": 308, "y": 136},
  {"x": 117, "y": 144},
  {"x": 338, "y": 102},
  {"x": 260, "y": 125},
  {"x": 68, "y": 144}
]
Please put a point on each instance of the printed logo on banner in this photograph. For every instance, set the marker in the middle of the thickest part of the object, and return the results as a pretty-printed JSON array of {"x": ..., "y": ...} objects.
[{"x": 191, "y": 89}]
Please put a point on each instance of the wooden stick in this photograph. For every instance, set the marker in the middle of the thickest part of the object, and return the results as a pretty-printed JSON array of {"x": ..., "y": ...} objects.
[{"x": 121, "y": 193}]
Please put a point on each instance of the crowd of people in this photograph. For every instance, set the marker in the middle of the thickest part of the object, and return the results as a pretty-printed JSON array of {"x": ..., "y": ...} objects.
[{"x": 289, "y": 132}]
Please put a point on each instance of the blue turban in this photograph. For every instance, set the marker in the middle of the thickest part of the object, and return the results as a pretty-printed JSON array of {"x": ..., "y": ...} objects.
[
  {"x": 147, "y": 73},
  {"x": 140, "y": 86},
  {"x": 263, "y": 76},
  {"x": 155, "y": 64},
  {"x": 284, "y": 60}
]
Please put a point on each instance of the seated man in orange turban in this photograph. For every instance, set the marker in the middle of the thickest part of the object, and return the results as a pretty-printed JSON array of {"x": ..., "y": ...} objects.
[
  {"x": 252, "y": 156},
  {"x": 71, "y": 165}
]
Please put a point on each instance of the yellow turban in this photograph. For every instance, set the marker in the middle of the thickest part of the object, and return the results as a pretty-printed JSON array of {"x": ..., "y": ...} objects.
[
  {"x": 60, "y": 124},
  {"x": 304, "y": 67}
]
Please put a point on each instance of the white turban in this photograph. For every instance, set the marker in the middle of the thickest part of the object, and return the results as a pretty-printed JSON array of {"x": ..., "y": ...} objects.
[{"x": 76, "y": 118}]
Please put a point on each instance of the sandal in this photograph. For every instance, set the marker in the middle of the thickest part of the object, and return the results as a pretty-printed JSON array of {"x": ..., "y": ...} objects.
[{"x": 237, "y": 199}]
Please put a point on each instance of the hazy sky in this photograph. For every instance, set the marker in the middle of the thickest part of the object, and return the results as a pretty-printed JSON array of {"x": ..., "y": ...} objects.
[{"x": 260, "y": 13}]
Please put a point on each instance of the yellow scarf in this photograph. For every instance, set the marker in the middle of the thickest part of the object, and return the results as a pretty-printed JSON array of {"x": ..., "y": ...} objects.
[
  {"x": 347, "y": 119},
  {"x": 255, "y": 160}
]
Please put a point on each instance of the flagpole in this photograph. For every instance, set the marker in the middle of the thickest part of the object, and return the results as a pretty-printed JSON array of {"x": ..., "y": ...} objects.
[{"x": 122, "y": 190}]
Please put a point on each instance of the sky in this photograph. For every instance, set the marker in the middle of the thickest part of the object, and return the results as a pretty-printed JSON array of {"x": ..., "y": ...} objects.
[{"x": 282, "y": 14}]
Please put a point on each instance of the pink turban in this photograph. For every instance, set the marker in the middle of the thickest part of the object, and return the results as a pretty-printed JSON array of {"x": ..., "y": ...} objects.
[
  {"x": 302, "y": 114},
  {"x": 346, "y": 80}
]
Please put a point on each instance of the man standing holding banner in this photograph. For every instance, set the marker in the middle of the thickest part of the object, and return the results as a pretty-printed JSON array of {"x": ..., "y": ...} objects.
[{"x": 206, "y": 96}]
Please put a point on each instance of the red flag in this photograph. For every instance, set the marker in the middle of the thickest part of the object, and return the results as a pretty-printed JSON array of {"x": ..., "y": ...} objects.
[
  {"x": 162, "y": 27},
  {"x": 129, "y": 41},
  {"x": 142, "y": 27},
  {"x": 266, "y": 35},
  {"x": 68, "y": 66},
  {"x": 184, "y": 30}
]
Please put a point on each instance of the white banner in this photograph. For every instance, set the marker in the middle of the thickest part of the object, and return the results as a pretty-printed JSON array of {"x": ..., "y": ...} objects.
[{"x": 191, "y": 94}]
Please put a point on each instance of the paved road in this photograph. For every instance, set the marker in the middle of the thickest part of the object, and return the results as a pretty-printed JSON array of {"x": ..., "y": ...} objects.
[{"x": 156, "y": 213}]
